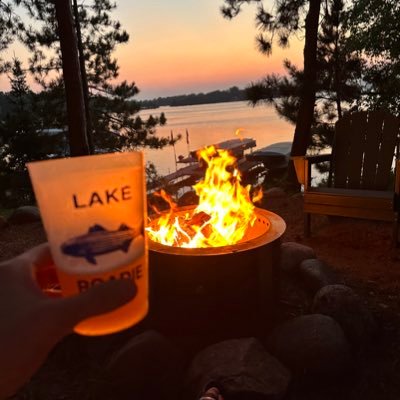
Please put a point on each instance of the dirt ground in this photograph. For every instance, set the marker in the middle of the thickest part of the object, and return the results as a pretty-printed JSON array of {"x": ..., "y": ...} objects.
[{"x": 358, "y": 250}]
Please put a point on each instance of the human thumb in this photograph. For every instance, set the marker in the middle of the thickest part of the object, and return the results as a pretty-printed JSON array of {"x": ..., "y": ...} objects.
[{"x": 99, "y": 299}]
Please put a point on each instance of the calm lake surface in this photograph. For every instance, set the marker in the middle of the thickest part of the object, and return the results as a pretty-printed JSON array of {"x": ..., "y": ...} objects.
[{"x": 212, "y": 123}]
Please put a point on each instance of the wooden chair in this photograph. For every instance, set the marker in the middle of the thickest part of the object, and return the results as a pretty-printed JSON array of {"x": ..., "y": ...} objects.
[{"x": 361, "y": 183}]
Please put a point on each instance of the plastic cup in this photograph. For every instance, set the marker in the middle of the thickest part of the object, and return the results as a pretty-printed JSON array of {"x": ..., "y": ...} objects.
[{"x": 93, "y": 210}]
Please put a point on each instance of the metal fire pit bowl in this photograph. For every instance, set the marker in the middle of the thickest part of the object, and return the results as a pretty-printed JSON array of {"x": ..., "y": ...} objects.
[{"x": 228, "y": 289}]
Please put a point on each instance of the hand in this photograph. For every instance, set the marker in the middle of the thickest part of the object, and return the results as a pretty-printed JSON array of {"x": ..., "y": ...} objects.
[{"x": 31, "y": 323}]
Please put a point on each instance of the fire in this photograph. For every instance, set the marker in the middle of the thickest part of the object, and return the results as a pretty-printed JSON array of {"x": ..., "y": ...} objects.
[
  {"x": 239, "y": 133},
  {"x": 223, "y": 215}
]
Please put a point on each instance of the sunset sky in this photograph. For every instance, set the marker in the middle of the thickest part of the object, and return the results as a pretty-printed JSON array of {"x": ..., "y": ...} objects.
[{"x": 184, "y": 46}]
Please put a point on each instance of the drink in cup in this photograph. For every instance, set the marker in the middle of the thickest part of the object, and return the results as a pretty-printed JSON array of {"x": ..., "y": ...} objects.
[{"x": 93, "y": 211}]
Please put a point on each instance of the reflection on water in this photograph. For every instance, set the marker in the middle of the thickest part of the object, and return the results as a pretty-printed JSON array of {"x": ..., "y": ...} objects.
[{"x": 212, "y": 123}]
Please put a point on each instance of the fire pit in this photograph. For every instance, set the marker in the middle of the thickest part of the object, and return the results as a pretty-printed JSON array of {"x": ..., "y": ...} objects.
[
  {"x": 229, "y": 287},
  {"x": 214, "y": 265}
]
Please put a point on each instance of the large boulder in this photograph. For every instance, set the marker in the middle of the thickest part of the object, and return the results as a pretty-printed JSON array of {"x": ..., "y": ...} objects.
[
  {"x": 347, "y": 308},
  {"x": 25, "y": 215},
  {"x": 315, "y": 274},
  {"x": 292, "y": 254},
  {"x": 147, "y": 367},
  {"x": 240, "y": 368},
  {"x": 312, "y": 346}
]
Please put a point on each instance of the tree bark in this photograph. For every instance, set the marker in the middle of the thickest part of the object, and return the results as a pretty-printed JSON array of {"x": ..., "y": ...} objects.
[
  {"x": 85, "y": 86},
  {"x": 72, "y": 79},
  {"x": 302, "y": 133},
  {"x": 337, "y": 73}
]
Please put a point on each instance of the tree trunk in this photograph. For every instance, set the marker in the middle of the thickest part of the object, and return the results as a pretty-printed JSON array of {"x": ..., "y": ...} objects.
[
  {"x": 85, "y": 86},
  {"x": 337, "y": 73},
  {"x": 302, "y": 133},
  {"x": 72, "y": 79},
  {"x": 339, "y": 106}
]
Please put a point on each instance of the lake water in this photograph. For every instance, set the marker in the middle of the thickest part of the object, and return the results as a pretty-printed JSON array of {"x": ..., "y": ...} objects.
[{"x": 212, "y": 123}]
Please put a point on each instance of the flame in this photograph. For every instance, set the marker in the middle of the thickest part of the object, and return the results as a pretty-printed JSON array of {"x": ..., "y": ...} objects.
[
  {"x": 239, "y": 133},
  {"x": 223, "y": 215},
  {"x": 257, "y": 196}
]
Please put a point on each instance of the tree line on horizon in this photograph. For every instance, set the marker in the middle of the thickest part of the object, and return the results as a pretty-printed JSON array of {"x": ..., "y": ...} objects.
[
  {"x": 215, "y": 96},
  {"x": 351, "y": 62}
]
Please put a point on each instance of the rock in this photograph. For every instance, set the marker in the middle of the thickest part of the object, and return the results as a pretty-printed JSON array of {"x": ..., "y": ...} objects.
[
  {"x": 240, "y": 368},
  {"x": 293, "y": 298},
  {"x": 342, "y": 304},
  {"x": 3, "y": 222},
  {"x": 312, "y": 346},
  {"x": 315, "y": 274},
  {"x": 292, "y": 254},
  {"x": 25, "y": 215},
  {"x": 274, "y": 193},
  {"x": 147, "y": 367}
]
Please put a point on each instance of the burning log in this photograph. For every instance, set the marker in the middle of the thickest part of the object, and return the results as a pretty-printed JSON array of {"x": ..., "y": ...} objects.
[
  {"x": 223, "y": 215},
  {"x": 198, "y": 222}
]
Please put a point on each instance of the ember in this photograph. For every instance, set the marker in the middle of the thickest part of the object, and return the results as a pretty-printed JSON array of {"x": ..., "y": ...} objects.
[{"x": 224, "y": 213}]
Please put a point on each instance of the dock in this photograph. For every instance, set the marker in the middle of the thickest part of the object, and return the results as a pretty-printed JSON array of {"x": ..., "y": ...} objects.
[
  {"x": 194, "y": 171},
  {"x": 236, "y": 147}
]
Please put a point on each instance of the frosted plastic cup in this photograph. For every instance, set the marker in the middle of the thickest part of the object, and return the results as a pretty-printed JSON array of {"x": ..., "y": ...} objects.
[{"x": 93, "y": 211}]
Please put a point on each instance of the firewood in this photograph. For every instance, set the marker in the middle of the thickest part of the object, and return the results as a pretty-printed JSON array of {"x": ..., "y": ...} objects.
[
  {"x": 199, "y": 219},
  {"x": 195, "y": 221}
]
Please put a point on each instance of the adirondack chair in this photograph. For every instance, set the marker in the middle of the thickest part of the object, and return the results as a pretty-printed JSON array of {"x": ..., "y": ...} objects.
[{"x": 361, "y": 183}]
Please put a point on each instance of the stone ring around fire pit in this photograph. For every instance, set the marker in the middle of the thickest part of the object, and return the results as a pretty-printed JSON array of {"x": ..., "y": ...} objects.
[{"x": 223, "y": 288}]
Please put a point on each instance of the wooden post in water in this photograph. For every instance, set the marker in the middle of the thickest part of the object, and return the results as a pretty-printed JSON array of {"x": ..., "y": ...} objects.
[
  {"x": 187, "y": 142},
  {"x": 173, "y": 144}
]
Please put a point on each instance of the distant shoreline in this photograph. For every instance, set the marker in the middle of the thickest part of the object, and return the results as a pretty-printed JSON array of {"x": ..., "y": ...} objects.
[{"x": 218, "y": 96}]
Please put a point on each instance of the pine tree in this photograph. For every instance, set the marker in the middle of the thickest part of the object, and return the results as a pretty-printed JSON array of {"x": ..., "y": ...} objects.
[
  {"x": 10, "y": 25},
  {"x": 338, "y": 84},
  {"x": 374, "y": 26},
  {"x": 19, "y": 88},
  {"x": 112, "y": 110},
  {"x": 24, "y": 136},
  {"x": 280, "y": 25},
  {"x": 21, "y": 130},
  {"x": 340, "y": 69}
]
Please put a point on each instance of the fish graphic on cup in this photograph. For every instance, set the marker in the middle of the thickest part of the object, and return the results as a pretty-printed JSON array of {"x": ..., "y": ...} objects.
[{"x": 99, "y": 241}]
